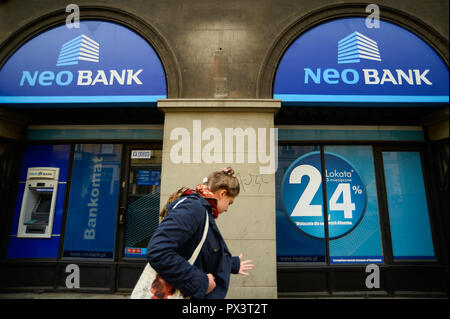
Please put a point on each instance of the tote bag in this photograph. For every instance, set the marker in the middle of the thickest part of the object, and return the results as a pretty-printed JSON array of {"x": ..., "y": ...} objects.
[{"x": 152, "y": 286}]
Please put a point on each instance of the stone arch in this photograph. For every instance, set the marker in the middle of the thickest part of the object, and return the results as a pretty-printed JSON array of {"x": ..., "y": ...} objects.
[{"x": 138, "y": 25}]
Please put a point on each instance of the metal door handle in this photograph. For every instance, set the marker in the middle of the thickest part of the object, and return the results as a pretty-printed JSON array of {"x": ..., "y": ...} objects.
[{"x": 122, "y": 211}]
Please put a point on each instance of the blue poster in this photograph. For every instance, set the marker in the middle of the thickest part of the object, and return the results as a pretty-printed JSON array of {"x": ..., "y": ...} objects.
[
  {"x": 303, "y": 195},
  {"x": 91, "y": 214},
  {"x": 148, "y": 177}
]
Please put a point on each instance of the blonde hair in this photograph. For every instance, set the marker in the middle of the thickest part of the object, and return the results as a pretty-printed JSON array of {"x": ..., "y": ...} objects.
[{"x": 223, "y": 179}]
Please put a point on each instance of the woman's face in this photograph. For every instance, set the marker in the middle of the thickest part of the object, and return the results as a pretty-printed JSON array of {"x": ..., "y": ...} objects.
[{"x": 223, "y": 200}]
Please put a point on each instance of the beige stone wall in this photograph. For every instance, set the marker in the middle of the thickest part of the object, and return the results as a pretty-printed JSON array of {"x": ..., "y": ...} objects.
[{"x": 249, "y": 225}]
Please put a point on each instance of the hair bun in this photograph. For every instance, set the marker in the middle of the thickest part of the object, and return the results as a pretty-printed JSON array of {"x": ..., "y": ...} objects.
[
  {"x": 224, "y": 179},
  {"x": 228, "y": 170}
]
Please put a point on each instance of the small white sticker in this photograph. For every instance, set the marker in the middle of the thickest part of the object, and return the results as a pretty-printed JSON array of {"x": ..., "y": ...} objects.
[{"x": 141, "y": 154}]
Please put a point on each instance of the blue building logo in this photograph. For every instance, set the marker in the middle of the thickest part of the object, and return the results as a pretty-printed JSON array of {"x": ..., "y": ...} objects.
[
  {"x": 355, "y": 47},
  {"x": 81, "y": 48}
]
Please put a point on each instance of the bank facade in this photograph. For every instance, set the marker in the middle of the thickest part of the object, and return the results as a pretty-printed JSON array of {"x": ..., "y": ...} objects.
[{"x": 335, "y": 121}]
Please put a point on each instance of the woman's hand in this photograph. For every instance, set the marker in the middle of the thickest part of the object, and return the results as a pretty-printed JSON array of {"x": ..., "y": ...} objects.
[
  {"x": 245, "y": 266},
  {"x": 212, "y": 283}
]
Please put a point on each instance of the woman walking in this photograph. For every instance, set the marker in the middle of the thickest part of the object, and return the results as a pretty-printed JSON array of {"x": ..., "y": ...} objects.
[{"x": 181, "y": 231}]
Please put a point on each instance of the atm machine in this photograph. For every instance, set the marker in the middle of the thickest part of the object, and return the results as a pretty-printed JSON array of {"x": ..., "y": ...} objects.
[{"x": 38, "y": 203}]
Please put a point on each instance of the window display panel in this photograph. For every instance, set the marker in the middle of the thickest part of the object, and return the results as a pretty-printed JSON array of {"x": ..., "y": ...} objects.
[
  {"x": 92, "y": 209},
  {"x": 353, "y": 218},
  {"x": 407, "y": 204},
  {"x": 299, "y": 216}
]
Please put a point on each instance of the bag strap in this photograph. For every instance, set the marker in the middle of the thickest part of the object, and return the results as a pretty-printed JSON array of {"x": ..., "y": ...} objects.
[{"x": 199, "y": 247}]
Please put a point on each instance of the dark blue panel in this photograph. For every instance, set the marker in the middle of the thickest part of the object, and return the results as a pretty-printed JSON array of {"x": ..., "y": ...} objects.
[
  {"x": 40, "y": 156},
  {"x": 46, "y": 156},
  {"x": 33, "y": 247},
  {"x": 15, "y": 222}
]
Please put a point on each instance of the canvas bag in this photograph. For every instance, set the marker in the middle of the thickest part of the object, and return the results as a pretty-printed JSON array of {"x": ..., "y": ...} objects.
[{"x": 151, "y": 286}]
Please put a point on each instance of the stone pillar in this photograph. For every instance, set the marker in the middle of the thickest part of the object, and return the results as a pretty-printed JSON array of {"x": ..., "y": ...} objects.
[{"x": 249, "y": 225}]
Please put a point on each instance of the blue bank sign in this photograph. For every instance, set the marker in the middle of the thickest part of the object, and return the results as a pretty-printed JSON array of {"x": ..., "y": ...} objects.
[
  {"x": 344, "y": 61},
  {"x": 100, "y": 62}
]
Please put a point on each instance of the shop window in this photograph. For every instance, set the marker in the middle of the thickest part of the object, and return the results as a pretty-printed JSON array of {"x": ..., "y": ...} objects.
[
  {"x": 327, "y": 200},
  {"x": 407, "y": 205},
  {"x": 328, "y": 206},
  {"x": 354, "y": 225}
]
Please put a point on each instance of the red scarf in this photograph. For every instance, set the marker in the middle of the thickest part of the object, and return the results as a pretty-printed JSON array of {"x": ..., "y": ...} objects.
[{"x": 204, "y": 191}]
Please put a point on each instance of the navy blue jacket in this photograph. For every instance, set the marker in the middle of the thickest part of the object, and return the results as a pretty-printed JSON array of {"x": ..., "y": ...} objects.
[{"x": 175, "y": 240}]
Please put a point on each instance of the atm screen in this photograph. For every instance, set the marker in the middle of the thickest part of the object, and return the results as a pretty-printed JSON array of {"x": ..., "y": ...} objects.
[{"x": 44, "y": 204}]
